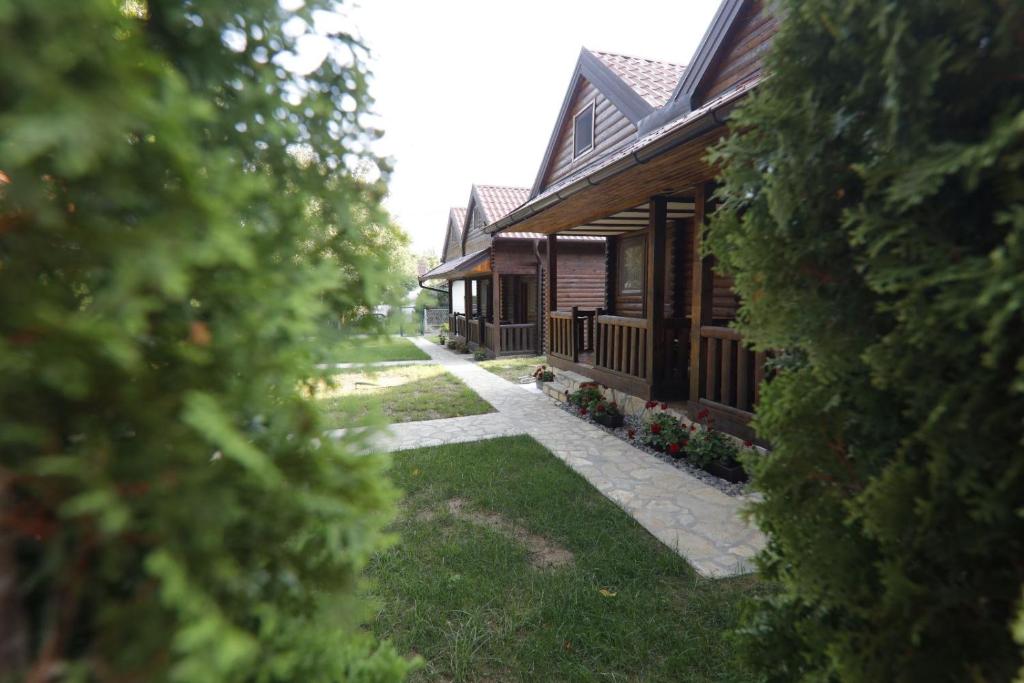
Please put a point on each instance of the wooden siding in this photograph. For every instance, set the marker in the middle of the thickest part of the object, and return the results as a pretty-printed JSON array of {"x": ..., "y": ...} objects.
[
  {"x": 679, "y": 275},
  {"x": 452, "y": 244},
  {"x": 515, "y": 257},
  {"x": 474, "y": 238},
  {"x": 580, "y": 275},
  {"x": 741, "y": 55},
  {"x": 724, "y": 301},
  {"x": 612, "y": 130}
]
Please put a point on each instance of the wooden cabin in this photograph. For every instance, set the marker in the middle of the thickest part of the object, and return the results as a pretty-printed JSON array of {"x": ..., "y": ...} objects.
[
  {"x": 497, "y": 282},
  {"x": 629, "y": 165}
]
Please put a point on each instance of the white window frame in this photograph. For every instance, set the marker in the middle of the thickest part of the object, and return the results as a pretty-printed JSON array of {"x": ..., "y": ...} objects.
[{"x": 592, "y": 106}]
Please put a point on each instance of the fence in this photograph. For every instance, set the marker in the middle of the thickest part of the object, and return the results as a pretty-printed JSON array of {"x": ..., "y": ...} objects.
[{"x": 433, "y": 319}]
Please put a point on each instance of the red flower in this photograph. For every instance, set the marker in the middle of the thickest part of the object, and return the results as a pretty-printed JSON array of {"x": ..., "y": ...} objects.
[
  {"x": 673, "y": 448},
  {"x": 631, "y": 433},
  {"x": 664, "y": 406},
  {"x": 583, "y": 410},
  {"x": 600, "y": 408},
  {"x": 655, "y": 428},
  {"x": 650, "y": 404},
  {"x": 693, "y": 428},
  {"x": 748, "y": 443},
  {"x": 702, "y": 414}
]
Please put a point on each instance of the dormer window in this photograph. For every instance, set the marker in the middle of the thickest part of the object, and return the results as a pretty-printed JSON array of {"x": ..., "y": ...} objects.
[{"x": 583, "y": 131}]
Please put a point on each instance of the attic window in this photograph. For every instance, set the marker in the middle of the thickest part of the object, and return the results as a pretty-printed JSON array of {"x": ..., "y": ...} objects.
[{"x": 583, "y": 131}]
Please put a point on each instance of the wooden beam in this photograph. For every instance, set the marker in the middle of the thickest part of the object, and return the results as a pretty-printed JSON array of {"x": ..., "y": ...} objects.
[
  {"x": 496, "y": 312},
  {"x": 552, "y": 293},
  {"x": 467, "y": 295},
  {"x": 611, "y": 260},
  {"x": 702, "y": 294},
  {"x": 655, "y": 299}
]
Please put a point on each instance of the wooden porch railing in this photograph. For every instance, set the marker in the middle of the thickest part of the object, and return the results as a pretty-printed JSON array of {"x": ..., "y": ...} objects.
[
  {"x": 621, "y": 345},
  {"x": 519, "y": 338},
  {"x": 571, "y": 333},
  {"x": 560, "y": 342},
  {"x": 732, "y": 374},
  {"x": 457, "y": 324},
  {"x": 474, "y": 331},
  {"x": 515, "y": 338}
]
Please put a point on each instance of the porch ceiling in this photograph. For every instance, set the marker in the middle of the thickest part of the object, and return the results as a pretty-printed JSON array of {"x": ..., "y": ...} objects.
[
  {"x": 673, "y": 172},
  {"x": 630, "y": 220}
]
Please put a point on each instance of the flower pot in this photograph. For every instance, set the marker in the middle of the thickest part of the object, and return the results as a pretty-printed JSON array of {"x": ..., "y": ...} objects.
[
  {"x": 731, "y": 472},
  {"x": 608, "y": 420}
]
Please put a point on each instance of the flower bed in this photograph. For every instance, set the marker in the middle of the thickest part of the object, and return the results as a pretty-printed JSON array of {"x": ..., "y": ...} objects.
[{"x": 700, "y": 449}]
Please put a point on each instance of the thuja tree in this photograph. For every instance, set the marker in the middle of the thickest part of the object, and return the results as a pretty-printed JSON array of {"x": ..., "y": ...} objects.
[
  {"x": 872, "y": 213},
  {"x": 182, "y": 195}
]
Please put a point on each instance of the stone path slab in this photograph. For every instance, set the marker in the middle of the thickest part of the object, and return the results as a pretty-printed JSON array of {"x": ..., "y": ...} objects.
[
  {"x": 699, "y": 522},
  {"x": 374, "y": 364},
  {"x": 406, "y": 435}
]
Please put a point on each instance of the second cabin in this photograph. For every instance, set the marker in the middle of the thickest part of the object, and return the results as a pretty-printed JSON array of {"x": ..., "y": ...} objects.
[{"x": 498, "y": 300}]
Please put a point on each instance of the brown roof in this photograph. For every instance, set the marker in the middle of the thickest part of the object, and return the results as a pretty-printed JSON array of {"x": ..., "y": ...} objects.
[
  {"x": 497, "y": 201},
  {"x": 650, "y": 79},
  {"x": 459, "y": 214}
]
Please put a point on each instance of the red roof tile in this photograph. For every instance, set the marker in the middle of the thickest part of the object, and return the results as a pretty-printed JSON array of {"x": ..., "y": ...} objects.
[
  {"x": 497, "y": 201},
  {"x": 650, "y": 79}
]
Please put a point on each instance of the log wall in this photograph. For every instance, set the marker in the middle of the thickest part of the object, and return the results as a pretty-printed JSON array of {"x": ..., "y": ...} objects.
[{"x": 611, "y": 130}]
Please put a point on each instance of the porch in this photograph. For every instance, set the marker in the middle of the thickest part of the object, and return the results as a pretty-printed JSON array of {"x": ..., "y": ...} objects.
[
  {"x": 664, "y": 333},
  {"x": 517, "y": 330}
]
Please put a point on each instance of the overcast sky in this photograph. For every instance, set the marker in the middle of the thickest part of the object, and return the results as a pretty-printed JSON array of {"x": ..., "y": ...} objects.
[{"x": 468, "y": 91}]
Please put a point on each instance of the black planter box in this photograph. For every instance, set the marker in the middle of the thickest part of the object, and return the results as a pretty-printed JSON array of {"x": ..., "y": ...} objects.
[
  {"x": 731, "y": 472},
  {"x": 611, "y": 421}
]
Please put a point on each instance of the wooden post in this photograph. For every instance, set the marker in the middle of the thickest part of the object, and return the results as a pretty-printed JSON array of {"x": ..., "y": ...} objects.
[
  {"x": 574, "y": 334},
  {"x": 611, "y": 260},
  {"x": 702, "y": 296},
  {"x": 552, "y": 283},
  {"x": 655, "y": 299},
  {"x": 451, "y": 304},
  {"x": 496, "y": 312},
  {"x": 467, "y": 296}
]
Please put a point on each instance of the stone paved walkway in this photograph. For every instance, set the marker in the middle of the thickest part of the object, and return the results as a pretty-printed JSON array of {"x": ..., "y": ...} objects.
[
  {"x": 699, "y": 522},
  {"x": 378, "y": 364}
]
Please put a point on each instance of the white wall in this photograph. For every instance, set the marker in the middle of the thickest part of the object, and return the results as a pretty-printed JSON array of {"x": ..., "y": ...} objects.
[{"x": 458, "y": 296}]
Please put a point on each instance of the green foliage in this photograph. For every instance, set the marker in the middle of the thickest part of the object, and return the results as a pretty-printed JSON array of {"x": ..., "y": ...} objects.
[
  {"x": 707, "y": 445},
  {"x": 663, "y": 431},
  {"x": 544, "y": 374},
  {"x": 873, "y": 218},
  {"x": 479, "y": 355},
  {"x": 178, "y": 215},
  {"x": 588, "y": 394},
  {"x": 458, "y": 346}
]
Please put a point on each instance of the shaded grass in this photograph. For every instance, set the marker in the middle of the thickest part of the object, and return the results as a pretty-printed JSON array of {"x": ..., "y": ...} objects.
[
  {"x": 513, "y": 368},
  {"x": 407, "y": 393},
  {"x": 465, "y": 597},
  {"x": 369, "y": 349}
]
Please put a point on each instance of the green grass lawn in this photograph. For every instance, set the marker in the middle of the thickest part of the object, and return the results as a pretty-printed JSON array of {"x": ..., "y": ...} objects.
[
  {"x": 406, "y": 393},
  {"x": 370, "y": 349},
  {"x": 513, "y": 368},
  {"x": 482, "y": 586}
]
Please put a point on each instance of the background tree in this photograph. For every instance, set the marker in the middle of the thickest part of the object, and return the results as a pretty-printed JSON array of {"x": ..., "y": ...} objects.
[
  {"x": 183, "y": 194},
  {"x": 873, "y": 216}
]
